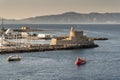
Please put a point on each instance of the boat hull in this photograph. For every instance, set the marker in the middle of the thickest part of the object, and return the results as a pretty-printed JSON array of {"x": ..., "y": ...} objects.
[
  {"x": 17, "y": 59},
  {"x": 80, "y": 61},
  {"x": 13, "y": 59}
]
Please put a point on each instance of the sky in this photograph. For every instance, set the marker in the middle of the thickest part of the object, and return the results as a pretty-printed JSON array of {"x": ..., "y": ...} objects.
[{"x": 18, "y": 9}]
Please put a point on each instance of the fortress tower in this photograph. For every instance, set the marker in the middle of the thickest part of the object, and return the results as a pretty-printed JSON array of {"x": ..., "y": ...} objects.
[{"x": 75, "y": 37}]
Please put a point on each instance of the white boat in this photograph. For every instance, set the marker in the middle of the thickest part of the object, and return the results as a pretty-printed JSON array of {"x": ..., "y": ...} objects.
[
  {"x": 14, "y": 58},
  {"x": 44, "y": 36},
  {"x": 3, "y": 41}
]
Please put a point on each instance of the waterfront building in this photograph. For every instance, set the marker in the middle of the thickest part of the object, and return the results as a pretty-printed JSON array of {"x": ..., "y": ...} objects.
[
  {"x": 24, "y": 28},
  {"x": 74, "y": 38}
]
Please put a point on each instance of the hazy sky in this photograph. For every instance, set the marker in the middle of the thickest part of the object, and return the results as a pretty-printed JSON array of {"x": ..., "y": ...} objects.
[{"x": 17, "y": 9}]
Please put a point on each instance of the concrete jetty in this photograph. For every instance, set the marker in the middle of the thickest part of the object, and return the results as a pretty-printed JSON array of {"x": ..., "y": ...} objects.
[{"x": 42, "y": 47}]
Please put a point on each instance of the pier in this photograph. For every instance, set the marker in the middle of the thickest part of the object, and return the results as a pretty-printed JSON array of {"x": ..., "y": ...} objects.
[{"x": 42, "y": 47}]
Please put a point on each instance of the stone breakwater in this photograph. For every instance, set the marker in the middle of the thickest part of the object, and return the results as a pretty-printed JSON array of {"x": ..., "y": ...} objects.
[
  {"x": 42, "y": 47},
  {"x": 98, "y": 38}
]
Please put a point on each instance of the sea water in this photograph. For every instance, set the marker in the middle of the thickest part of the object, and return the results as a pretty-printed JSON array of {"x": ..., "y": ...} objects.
[{"x": 103, "y": 62}]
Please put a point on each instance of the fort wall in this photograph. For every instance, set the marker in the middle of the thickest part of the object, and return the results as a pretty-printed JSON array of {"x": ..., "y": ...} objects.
[{"x": 75, "y": 37}]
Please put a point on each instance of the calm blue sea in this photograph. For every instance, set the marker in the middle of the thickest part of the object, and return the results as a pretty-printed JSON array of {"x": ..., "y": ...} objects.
[{"x": 103, "y": 62}]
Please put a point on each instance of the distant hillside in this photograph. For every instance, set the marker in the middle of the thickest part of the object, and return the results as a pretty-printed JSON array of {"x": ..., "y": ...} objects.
[{"x": 71, "y": 18}]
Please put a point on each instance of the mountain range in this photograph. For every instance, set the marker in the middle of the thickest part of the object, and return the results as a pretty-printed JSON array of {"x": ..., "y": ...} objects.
[{"x": 69, "y": 18}]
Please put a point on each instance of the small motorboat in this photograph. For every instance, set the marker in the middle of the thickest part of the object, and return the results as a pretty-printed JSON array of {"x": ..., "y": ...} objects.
[
  {"x": 80, "y": 61},
  {"x": 14, "y": 58}
]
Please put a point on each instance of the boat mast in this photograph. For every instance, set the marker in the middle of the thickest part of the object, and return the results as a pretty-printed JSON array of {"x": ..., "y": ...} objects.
[
  {"x": 2, "y": 31},
  {"x": 2, "y": 24}
]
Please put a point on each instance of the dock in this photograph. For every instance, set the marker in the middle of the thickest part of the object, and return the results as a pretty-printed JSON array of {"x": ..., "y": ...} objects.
[{"x": 41, "y": 48}]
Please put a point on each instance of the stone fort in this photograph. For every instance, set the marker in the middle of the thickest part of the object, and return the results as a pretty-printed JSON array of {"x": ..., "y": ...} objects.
[{"x": 74, "y": 38}]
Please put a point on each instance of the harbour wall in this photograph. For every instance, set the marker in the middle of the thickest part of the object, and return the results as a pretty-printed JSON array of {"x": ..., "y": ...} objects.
[{"x": 43, "y": 47}]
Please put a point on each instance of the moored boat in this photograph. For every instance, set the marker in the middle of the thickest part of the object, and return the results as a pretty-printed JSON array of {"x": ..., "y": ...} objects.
[
  {"x": 14, "y": 58},
  {"x": 80, "y": 61},
  {"x": 44, "y": 36}
]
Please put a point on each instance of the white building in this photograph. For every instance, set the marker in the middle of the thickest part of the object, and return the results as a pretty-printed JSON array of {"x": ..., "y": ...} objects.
[{"x": 24, "y": 34}]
